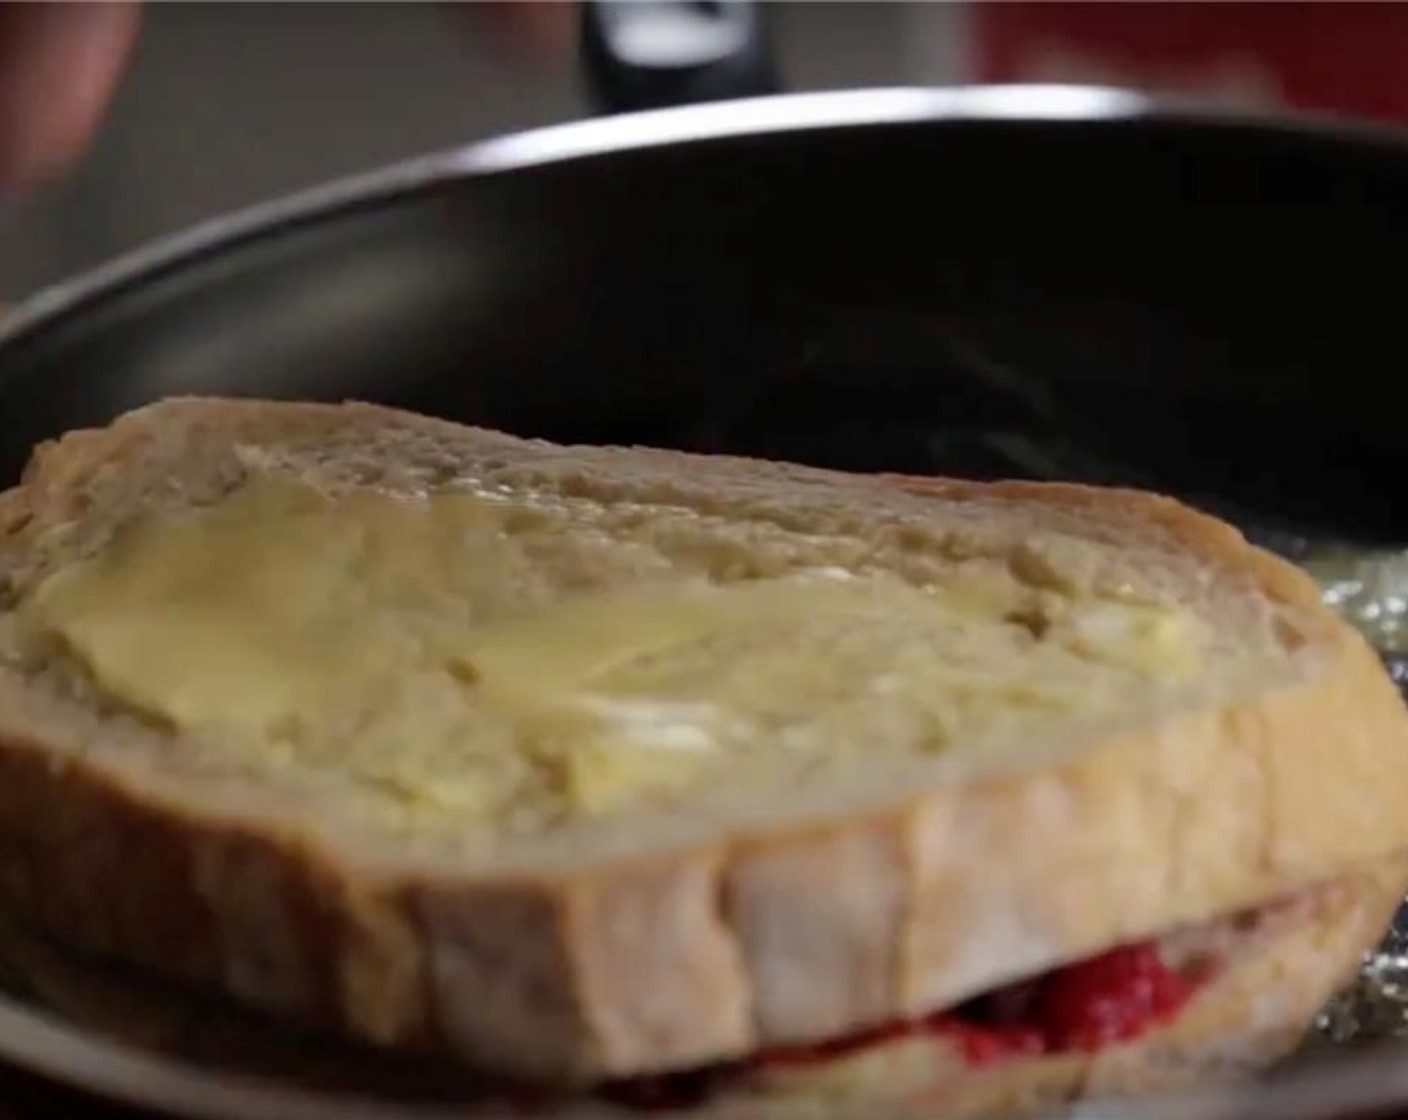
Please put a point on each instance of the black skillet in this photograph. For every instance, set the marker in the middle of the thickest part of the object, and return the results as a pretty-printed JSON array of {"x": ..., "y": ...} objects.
[
  {"x": 1025, "y": 281},
  {"x": 982, "y": 281}
]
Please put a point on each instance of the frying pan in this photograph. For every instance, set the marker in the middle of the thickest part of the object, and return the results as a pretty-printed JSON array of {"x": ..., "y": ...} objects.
[
  {"x": 1203, "y": 302},
  {"x": 1022, "y": 280}
]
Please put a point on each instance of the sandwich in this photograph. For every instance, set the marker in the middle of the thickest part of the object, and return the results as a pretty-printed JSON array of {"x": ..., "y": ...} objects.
[{"x": 693, "y": 783}]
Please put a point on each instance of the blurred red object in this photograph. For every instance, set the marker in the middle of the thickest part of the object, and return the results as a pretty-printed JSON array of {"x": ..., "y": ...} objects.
[{"x": 1345, "y": 58}]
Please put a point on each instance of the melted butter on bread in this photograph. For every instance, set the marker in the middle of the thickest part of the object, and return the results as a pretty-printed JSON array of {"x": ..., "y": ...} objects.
[{"x": 399, "y": 641}]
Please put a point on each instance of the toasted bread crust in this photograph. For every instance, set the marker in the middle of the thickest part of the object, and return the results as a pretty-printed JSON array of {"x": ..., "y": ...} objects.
[
  {"x": 1252, "y": 1012},
  {"x": 711, "y": 950}
]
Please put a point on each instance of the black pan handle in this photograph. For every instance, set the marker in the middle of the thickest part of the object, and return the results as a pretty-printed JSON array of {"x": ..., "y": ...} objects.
[{"x": 652, "y": 54}]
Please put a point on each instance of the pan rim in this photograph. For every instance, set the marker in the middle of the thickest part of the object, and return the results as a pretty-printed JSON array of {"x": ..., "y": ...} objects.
[{"x": 1016, "y": 105}]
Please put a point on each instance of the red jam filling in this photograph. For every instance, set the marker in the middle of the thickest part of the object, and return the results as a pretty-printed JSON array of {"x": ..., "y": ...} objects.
[
  {"x": 1111, "y": 998},
  {"x": 1098, "y": 1002}
]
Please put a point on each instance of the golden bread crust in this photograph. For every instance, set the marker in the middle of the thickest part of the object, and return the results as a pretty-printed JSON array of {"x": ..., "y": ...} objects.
[{"x": 1251, "y": 1013}]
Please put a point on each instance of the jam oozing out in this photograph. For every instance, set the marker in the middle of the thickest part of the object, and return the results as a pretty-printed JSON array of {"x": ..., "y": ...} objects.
[{"x": 1112, "y": 998}]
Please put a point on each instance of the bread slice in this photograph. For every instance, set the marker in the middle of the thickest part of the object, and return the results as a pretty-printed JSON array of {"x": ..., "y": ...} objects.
[
  {"x": 1276, "y": 967},
  {"x": 1038, "y": 799}
]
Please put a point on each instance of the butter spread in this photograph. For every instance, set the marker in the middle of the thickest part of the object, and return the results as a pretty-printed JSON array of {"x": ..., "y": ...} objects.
[{"x": 491, "y": 657}]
